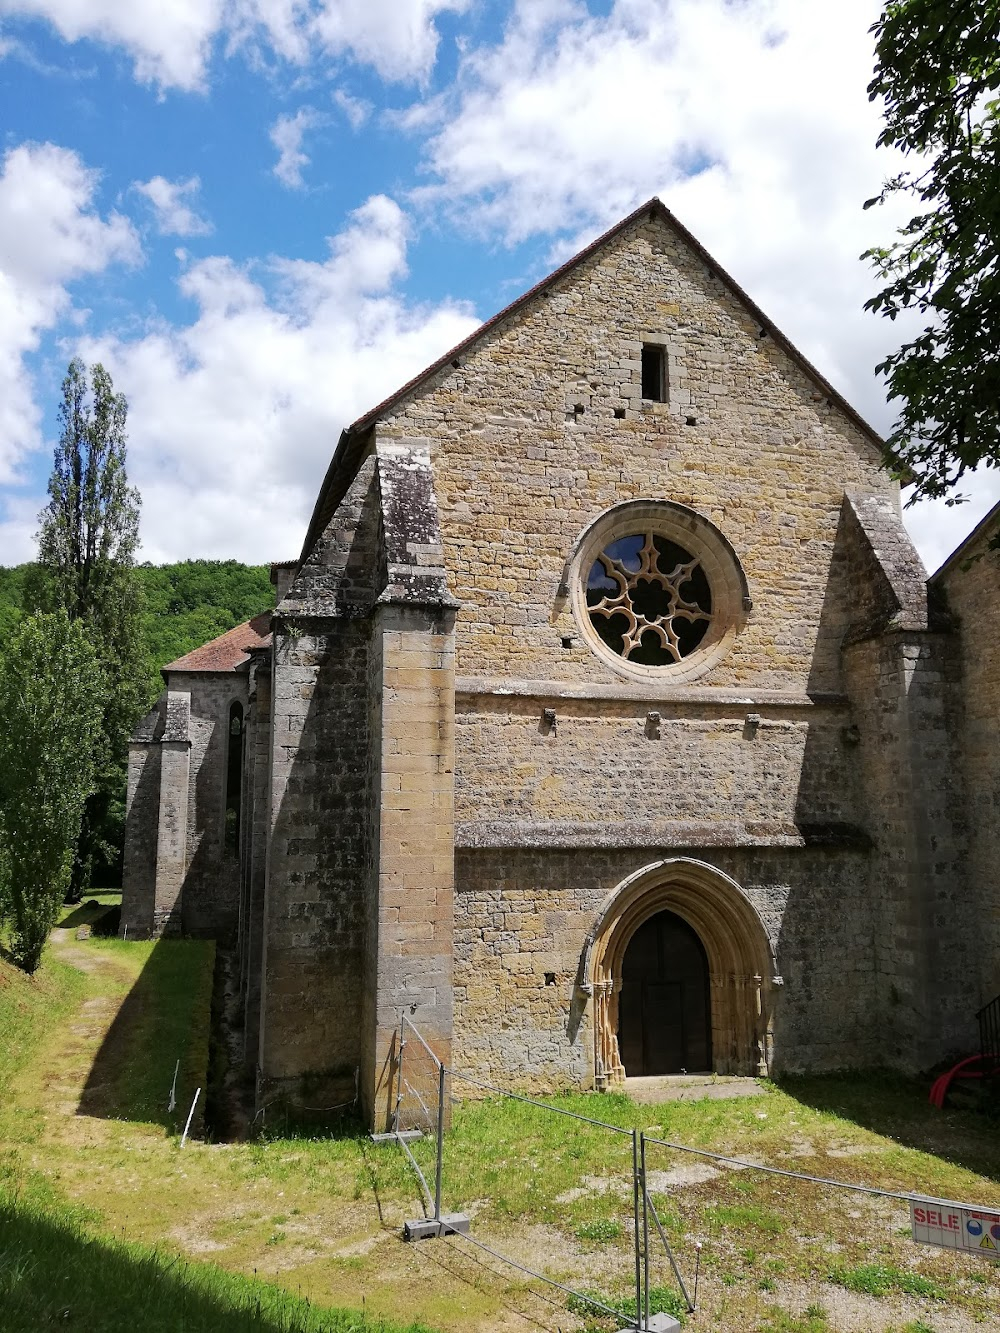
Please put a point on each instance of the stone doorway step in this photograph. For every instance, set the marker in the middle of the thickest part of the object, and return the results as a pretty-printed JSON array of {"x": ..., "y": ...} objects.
[{"x": 689, "y": 1087}]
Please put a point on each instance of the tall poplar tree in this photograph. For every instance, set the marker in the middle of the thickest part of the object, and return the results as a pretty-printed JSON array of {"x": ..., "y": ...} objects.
[
  {"x": 51, "y": 701},
  {"x": 88, "y": 535}
]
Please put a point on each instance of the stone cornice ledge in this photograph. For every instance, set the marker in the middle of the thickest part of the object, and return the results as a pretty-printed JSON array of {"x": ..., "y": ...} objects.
[
  {"x": 551, "y": 833},
  {"x": 471, "y": 687}
]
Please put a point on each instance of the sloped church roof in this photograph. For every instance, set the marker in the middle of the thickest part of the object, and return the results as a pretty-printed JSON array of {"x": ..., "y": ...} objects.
[{"x": 229, "y": 651}]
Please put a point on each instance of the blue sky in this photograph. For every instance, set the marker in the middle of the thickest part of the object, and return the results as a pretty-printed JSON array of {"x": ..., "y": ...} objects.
[{"x": 263, "y": 215}]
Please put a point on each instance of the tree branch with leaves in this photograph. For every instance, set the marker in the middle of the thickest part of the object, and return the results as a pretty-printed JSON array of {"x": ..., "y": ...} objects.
[{"x": 937, "y": 72}]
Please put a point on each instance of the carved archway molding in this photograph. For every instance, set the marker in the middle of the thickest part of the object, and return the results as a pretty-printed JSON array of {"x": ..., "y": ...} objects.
[{"x": 742, "y": 973}]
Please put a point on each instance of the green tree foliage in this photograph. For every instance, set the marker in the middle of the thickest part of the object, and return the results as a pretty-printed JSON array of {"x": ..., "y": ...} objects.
[
  {"x": 12, "y": 581},
  {"x": 938, "y": 70},
  {"x": 86, "y": 566},
  {"x": 183, "y": 606},
  {"x": 51, "y": 689},
  {"x": 186, "y": 604}
]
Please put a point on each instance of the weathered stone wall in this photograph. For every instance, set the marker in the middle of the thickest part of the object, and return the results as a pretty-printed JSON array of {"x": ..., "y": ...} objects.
[
  {"x": 906, "y": 691},
  {"x": 409, "y": 955},
  {"x": 142, "y": 812},
  {"x": 520, "y": 473},
  {"x": 538, "y": 431},
  {"x": 172, "y": 818},
  {"x": 311, "y": 1032},
  {"x": 360, "y": 871},
  {"x": 820, "y": 778},
  {"x": 700, "y": 766},
  {"x": 210, "y": 902},
  {"x": 902, "y": 672},
  {"x": 969, "y": 583},
  {"x": 521, "y": 921},
  {"x": 257, "y": 821},
  {"x": 314, "y": 909}
]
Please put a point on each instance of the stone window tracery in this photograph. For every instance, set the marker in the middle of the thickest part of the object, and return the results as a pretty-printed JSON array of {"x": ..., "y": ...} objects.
[
  {"x": 649, "y": 599},
  {"x": 657, "y": 590}
]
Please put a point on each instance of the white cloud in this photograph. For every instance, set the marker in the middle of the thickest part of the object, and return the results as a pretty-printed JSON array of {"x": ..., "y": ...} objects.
[
  {"x": 174, "y": 217},
  {"x": 279, "y": 25},
  {"x": 750, "y": 120},
  {"x": 234, "y": 417},
  {"x": 355, "y": 109},
  {"x": 49, "y": 236},
  {"x": 171, "y": 42},
  {"x": 397, "y": 37},
  {"x": 287, "y": 134}
]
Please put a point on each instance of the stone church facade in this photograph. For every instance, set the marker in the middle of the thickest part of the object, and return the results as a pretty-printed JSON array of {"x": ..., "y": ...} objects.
[{"x": 606, "y": 725}]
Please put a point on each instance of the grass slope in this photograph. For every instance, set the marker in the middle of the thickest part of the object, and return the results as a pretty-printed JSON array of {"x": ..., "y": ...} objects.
[
  {"x": 318, "y": 1218},
  {"x": 54, "y": 1270},
  {"x": 31, "y": 1006},
  {"x": 60, "y": 1262}
]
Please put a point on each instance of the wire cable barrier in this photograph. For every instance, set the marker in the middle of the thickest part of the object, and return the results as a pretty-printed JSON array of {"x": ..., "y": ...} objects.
[{"x": 422, "y": 1107}]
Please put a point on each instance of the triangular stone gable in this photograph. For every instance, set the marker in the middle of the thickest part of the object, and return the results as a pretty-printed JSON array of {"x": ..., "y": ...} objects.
[{"x": 356, "y": 439}]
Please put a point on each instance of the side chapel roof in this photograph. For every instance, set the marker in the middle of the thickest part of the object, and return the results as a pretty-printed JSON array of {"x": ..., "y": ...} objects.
[
  {"x": 350, "y": 446},
  {"x": 229, "y": 651}
]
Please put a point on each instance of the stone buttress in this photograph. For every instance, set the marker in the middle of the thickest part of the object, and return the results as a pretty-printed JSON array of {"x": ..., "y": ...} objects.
[
  {"x": 188, "y": 813},
  {"x": 358, "y": 904}
]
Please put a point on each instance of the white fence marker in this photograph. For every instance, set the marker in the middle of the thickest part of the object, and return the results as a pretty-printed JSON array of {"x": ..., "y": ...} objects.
[
  {"x": 972, "y": 1230},
  {"x": 172, "y": 1102},
  {"x": 190, "y": 1117}
]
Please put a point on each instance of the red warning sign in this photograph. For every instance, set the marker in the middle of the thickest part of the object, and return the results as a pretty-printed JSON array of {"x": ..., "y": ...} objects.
[{"x": 954, "y": 1227}]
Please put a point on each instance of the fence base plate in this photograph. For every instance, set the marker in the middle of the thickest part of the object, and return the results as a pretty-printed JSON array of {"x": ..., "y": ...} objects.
[
  {"x": 408, "y": 1134},
  {"x": 658, "y": 1323},
  {"x": 426, "y": 1228}
]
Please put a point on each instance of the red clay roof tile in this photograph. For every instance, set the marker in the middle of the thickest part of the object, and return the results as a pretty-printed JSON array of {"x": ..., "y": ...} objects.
[{"x": 230, "y": 650}]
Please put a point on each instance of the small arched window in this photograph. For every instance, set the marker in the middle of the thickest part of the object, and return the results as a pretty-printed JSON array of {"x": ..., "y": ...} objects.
[{"x": 234, "y": 777}]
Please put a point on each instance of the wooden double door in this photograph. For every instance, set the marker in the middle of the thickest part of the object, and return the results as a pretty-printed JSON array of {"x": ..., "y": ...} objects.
[{"x": 664, "y": 1011}]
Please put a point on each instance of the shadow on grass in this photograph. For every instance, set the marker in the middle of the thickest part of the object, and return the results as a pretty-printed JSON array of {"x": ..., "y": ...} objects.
[
  {"x": 898, "y": 1108},
  {"x": 162, "y": 1025},
  {"x": 82, "y": 914},
  {"x": 103, "y": 918},
  {"x": 52, "y": 1273}
]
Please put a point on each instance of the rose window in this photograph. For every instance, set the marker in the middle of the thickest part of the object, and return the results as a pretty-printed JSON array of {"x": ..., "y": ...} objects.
[{"x": 649, "y": 599}]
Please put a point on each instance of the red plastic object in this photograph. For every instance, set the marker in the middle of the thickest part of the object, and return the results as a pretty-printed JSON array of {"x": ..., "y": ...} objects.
[{"x": 940, "y": 1086}]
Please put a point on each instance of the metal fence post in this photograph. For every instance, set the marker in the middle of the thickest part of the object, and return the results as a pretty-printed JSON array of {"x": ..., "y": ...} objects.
[
  {"x": 638, "y": 1236},
  {"x": 442, "y": 1074},
  {"x": 645, "y": 1231},
  {"x": 399, "y": 1077}
]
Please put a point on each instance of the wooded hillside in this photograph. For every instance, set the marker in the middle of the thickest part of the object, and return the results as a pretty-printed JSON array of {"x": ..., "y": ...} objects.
[{"x": 184, "y": 605}]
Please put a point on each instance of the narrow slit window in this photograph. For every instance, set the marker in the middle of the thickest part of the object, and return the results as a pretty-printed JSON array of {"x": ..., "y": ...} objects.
[
  {"x": 234, "y": 778},
  {"x": 654, "y": 373}
]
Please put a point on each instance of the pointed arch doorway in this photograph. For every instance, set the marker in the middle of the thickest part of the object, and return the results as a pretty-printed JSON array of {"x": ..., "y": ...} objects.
[
  {"x": 682, "y": 974},
  {"x": 664, "y": 1009}
]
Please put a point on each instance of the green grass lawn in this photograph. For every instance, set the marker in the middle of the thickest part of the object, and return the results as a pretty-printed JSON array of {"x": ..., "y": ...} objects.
[
  {"x": 762, "y": 1236},
  {"x": 55, "y": 1269},
  {"x": 60, "y": 1261},
  {"x": 288, "y": 1232}
]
